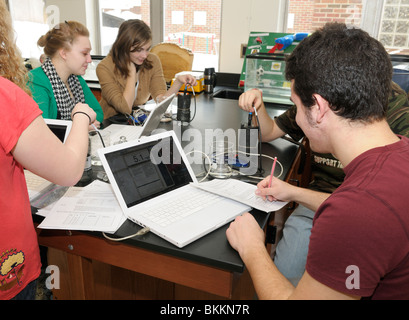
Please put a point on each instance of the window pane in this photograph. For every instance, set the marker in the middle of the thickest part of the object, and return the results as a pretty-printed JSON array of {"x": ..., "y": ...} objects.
[
  {"x": 113, "y": 13},
  {"x": 30, "y": 15},
  {"x": 195, "y": 25},
  {"x": 394, "y": 30}
]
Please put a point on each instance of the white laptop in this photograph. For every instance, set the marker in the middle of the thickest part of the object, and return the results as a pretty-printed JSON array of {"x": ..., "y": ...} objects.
[
  {"x": 61, "y": 128},
  {"x": 150, "y": 124},
  {"x": 154, "y": 171}
]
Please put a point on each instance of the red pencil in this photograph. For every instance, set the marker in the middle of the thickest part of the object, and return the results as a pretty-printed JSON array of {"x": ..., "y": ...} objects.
[{"x": 272, "y": 171}]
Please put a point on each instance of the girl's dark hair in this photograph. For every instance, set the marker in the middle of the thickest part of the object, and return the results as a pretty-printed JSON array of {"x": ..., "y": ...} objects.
[
  {"x": 347, "y": 67},
  {"x": 134, "y": 34}
]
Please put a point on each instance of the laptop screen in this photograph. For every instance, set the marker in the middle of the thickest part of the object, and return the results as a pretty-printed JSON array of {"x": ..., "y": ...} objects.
[
  {"x": 148, "y": 170},
  {"x": 61, "y": 128},
  {"x": 58, "y": 130}
]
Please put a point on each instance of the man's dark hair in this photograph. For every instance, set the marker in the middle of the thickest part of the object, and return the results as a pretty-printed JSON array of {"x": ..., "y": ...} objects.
[{"x": 347, "y": 67}]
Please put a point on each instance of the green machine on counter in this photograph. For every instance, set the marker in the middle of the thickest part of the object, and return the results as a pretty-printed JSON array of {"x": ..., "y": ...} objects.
[{"x": 264, "y": 64}]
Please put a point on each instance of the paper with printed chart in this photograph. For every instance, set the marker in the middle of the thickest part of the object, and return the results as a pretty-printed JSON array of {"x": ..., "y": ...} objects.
[
  {"x": 91, "y": 208},
  {"x": 240, "y": 191}
]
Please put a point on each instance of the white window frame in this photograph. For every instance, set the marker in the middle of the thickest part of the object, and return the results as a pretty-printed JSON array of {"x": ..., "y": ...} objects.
[
  {"x": 371, "y": 16},
  {"x": 157, "y": 25}
]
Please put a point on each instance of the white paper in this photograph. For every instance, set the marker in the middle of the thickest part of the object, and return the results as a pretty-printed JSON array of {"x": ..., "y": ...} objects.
[
  {"x": 35, "y": 183},
  {"x": 92, "y": 208},
  {"x": 240, "y": 191}
]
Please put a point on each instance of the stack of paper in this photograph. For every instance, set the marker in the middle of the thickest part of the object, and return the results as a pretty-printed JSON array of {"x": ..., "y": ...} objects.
[{"x": 90, "y": 208}]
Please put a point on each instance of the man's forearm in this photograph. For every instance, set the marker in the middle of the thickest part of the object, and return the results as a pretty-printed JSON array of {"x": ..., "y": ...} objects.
[
  {"x": 268, "y": 281},
  {"x": 269, "y": 129},
  {"x": 310, "y": 198}
]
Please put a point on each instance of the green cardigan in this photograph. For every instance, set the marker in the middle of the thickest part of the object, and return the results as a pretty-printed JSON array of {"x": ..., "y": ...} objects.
[{"x": 42, "y": 91}]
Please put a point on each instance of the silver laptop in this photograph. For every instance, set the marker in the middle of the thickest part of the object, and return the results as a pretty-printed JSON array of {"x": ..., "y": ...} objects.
[
  {"x": 61, "y": 128},
  {"x": 150, "y": 124},
  {"x": 152, "y": 174}
]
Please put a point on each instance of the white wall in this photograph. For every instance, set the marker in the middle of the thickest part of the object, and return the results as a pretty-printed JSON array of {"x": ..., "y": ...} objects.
[
  {"x": 239, "y": 18},
  {"x": 82, "y": 11},
  {"x": 70, "y": 9}
]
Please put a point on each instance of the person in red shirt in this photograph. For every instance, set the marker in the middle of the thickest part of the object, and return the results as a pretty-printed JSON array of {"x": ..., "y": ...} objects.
[
  {"x": 359, "y": 246},
  {"x": 27, "y": 142}
]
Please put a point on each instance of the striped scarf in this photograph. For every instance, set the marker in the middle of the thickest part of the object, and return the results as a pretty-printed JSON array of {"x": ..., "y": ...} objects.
[{"x": 65, "y": 103}]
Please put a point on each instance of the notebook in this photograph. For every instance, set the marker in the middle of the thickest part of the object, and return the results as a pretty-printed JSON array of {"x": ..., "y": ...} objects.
[
  {"x": 61, "y": 128},
  {"x": 153, "y": 171},
  {"x": 150, "y": 124}
]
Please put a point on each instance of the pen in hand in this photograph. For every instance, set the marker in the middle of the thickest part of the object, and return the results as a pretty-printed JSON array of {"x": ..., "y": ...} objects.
[{"x": 272, "y": 171}]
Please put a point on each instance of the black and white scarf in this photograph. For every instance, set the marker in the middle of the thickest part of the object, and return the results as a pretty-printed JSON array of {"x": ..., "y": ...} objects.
[{"x": 65, "y": 102}]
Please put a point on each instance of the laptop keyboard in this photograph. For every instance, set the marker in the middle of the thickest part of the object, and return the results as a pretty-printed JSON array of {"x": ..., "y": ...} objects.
[
  {"x": 180, "y": 206},
  {"x": 129, "y": 132}
]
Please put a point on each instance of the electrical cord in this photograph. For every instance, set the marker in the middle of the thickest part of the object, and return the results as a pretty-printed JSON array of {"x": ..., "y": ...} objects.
[
  {"x": 249, "y": 154},
  {"x": 266, "y": 156},
  {"x": 134, "y": 118},
  {"x": 208, "y": 158},
  {"x": 250, "y": 125},
  {"x": 194, "y": 98},
  {"x": 259, "y": 142},
  {"x": 258, "y": 124},
  {"x": 131, "y": 118},
  {"x": 99, "y": 134},
  {"x": 141, "y": 232}
]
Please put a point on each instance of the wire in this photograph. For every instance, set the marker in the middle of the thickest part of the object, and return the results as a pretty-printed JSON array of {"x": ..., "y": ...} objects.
[
  {"x": 134, "y": 118},
  {"x": 259, "y": 141},
  {"x": 266, "y": 156},
  {"x": 139, "y": 233},
  {"x": 99, "y": 133},
  {"x": 194, "y": 97},
  {"x": 249, "y": 154},
  {"x": 131, "y": 118},
  {"x": 208, "y": 158}
]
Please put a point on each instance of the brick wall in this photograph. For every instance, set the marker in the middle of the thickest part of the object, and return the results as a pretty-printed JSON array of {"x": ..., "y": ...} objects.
[
  {"x": 312, "y": 14},
  {"x": 146, "y": 11}
]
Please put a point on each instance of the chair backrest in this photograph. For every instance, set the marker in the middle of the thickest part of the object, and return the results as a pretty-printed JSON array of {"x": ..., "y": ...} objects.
[
  {"x": 401, "y": 77},
  {"x": 174, "y": 59}
]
